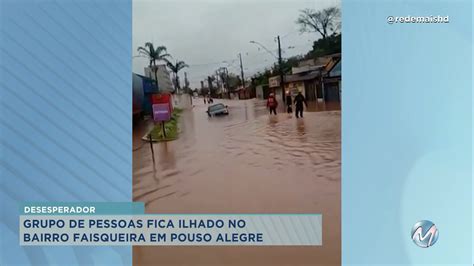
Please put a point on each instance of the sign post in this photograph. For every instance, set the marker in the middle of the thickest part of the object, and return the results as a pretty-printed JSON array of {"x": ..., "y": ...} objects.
[
  {"x": 151, "y": 147},
  {"x": 161, "y": 113},
  {"x": 162, "y": 109},
  {"x": 164, "y": 130}
]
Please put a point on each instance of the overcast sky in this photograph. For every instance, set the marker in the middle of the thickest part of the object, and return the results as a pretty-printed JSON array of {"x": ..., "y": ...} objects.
[{"x": 206, "y": 33}]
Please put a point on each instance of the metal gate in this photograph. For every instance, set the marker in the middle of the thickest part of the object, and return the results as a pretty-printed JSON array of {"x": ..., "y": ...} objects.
[
  {"x": 331, "y": 92},
  {"x": 310, "y": 91}
]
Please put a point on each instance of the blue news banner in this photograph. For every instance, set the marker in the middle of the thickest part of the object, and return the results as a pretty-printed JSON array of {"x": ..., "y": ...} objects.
[{"x": 112, "y": 224}]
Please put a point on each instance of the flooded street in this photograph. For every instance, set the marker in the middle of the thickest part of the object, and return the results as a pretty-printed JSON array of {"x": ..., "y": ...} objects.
[{"x": 246, "y": 162}]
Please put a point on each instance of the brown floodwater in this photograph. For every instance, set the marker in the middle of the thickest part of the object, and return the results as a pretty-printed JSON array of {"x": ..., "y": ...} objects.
[{"x": 247, "y": 162}]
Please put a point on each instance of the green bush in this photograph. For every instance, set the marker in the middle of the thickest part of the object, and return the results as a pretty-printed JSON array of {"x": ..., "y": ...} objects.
[{"x": 171, "y": 128}]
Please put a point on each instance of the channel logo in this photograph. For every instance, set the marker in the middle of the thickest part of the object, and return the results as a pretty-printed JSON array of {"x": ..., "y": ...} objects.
[{"x": 424, "y": 234}]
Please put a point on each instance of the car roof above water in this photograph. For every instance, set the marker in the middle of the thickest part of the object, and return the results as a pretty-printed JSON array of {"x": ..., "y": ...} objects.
[{"x": 216, "y": 105}]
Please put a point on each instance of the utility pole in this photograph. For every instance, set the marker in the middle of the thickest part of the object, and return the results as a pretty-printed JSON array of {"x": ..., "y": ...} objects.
[
  {"x": 186, "y": 82},
  {"x": 209, "y": 84},
  {"x": 280, "y": 63},
  {"x": 242, "y": 71},
  {"x": 217, "y": 80},
  {"x": 227, "y": 82}
]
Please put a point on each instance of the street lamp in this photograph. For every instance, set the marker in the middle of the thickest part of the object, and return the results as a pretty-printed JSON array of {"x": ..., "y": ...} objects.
[
  {"x": 280, "y": 64},
  {"x": 265, "y": 48}
]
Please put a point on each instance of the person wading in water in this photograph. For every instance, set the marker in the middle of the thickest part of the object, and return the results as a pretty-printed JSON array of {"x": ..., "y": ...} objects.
[
  {"x": 289, "y": 103},
  {"x": 272, "y": 103},
  {"x": 299, "y": 100}
]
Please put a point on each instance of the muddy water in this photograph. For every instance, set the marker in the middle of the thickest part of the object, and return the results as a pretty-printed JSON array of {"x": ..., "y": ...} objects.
[{"x": 246, "y": 162}]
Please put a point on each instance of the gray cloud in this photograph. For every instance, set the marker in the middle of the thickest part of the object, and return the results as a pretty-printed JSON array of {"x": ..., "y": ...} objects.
[{"x": 205, "y": 33}]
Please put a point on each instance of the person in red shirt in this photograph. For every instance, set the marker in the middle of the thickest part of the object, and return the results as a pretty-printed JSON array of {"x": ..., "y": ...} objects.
[{"x": 272, "y": 103}]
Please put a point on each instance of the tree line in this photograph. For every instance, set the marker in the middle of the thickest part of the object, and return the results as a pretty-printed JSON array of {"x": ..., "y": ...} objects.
[{"x": 159, "y": 53}]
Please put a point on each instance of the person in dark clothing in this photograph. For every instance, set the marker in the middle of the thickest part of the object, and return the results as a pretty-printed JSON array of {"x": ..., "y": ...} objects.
[
  {"x": 299, "y": 100},
  {"x": 272, "y": 103},
  {"x": 289, "y": 102}
]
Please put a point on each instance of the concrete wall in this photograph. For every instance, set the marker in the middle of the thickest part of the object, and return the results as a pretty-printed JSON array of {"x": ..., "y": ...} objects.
[
  {"x": 259, "y": 92},
  {"x": 278, "y": 95},
  {"x": 183, "y": 101}
]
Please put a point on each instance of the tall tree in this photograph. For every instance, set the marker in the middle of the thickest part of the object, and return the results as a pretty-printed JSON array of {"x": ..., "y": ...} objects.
[
  {"x": 175, "y": 68},
  {"x": 326, "y": 22},
  {"x": 234, "y": 80},
  {"x": 210, "y": 80},
  {"x": 186, "y": 83},
  {"x": 154, "y": 54},
  {"x": 330, "y": 45},
  {"x": 223, "y": 77},
  {"x": 261, "y": 78}
]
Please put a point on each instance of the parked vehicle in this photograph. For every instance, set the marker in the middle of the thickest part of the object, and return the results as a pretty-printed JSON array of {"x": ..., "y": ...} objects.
[{"x": 217, "y": 109}]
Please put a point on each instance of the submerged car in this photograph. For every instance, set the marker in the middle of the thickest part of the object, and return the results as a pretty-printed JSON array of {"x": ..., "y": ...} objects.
[{"x": 217, "y": 109}]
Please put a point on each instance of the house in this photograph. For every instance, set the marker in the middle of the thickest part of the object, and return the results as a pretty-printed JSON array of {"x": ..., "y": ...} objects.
[
  {"x": 244, "y": 93},
  {"x": 274, "y": 87},
  {"x": 310, "y": 77},
  {"x": 164, "y": 78},
  {"x": 308, "y": 82},
  {"x": 262, "y": 91},
  {"x": 332, "y": 82}
]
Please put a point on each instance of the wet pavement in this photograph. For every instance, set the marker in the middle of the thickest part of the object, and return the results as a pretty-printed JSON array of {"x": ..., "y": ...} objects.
[{"x": 246, "y": 162}]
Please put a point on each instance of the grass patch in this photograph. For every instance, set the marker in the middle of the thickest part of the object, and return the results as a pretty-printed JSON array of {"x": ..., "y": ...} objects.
[{"x": 171, "y": 128}]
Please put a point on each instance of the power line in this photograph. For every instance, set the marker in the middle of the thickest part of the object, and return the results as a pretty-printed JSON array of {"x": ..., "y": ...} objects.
[
  {"x": 253, "y": 65},
  {"x": 232, "y": 60},
  {"x": 289, "y": 33}
]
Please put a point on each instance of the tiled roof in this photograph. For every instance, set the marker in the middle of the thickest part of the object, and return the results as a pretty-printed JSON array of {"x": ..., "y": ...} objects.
[{"x": 303, "y": 77}]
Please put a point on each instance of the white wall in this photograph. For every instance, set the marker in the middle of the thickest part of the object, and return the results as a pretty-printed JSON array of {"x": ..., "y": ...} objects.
[
  {"x": 259, "y": 92},
  {"x": 182, "y": 101},
  {"x": 164, "y": 78},
  {"x": 279, "y": 96}
]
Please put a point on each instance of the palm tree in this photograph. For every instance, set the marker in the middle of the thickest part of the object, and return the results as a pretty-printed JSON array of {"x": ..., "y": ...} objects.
[
  {"x": 175, "y": 68},
  {"x": 153, "y": 55}
]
